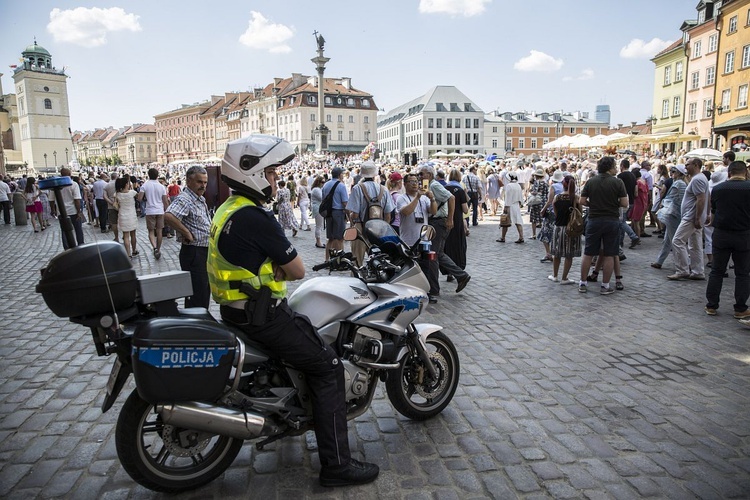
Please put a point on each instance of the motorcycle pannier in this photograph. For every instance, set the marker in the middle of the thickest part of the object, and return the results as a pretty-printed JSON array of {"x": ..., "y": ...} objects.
[
  {"x": 182, "y": 359},
  {"x": 89, "y": 280}
]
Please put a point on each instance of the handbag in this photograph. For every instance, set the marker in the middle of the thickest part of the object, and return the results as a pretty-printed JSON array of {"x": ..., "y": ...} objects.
[
  {"x": 533, "y": 200},
  {"x": 505, "y": 219},
  {"x": 666, "y": 209}
]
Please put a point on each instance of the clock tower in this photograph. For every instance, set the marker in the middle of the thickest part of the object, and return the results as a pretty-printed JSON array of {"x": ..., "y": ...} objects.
[{"x": 43, "y": 114}]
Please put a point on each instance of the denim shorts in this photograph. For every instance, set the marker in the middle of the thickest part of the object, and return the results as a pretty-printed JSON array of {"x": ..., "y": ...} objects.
[{"x": 602, "y": 236}]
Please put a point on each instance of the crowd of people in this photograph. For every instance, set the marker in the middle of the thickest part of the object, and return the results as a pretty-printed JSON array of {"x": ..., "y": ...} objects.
[{"x": 670, "y": 196}]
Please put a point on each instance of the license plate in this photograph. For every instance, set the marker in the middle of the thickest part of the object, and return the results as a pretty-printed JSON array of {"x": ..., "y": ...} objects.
[{"x": 113, "y": 376}]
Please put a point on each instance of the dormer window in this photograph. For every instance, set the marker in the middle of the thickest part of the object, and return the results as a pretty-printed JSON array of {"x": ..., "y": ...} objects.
[
  {"x": 311, "y": 99},
  {"x": 328, "y": 101},
  {"x": 350, "y": 102},
  {"x": 366, "y": 103},
  {"x": 701, "y": 16}
]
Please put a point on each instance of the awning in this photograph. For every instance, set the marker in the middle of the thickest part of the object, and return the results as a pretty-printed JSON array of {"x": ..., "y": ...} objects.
[
  {"x": 653, "y": 139},
  {"x": 741, "y": 122}
]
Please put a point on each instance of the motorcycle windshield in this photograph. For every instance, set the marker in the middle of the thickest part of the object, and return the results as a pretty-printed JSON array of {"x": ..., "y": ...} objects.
[{"x": 378, "y": 232}]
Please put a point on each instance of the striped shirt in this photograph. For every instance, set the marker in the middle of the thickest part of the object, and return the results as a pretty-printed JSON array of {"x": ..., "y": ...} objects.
[{"x": 192, "y": 211}]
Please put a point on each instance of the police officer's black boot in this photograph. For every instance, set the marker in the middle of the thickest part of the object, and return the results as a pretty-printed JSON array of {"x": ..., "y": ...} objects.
[{"x": 355, "y": 472}]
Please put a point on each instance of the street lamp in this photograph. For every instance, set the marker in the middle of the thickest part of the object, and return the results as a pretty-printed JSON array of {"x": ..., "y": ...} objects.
[
  {"x": 45, "y": 161},
  {"x": 25, "y": 168},
  {"x": 54, "y": 153},
  {"x": 104, "y": 150},
  {"x": 132, "y": 153},
  {"x": 66, "y": 156}
]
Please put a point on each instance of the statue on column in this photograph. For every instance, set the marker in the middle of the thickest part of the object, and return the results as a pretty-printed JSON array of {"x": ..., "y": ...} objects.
[{"x": 321, "y": 41}]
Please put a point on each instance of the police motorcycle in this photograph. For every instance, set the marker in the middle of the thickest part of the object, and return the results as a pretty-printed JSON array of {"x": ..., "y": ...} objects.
[{"x": 203, "y": 387}]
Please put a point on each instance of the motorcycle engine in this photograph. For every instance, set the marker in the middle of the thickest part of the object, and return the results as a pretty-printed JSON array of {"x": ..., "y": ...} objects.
[
  {"x": 356, "y": 380},
  {"x": 369, "y": 345}
]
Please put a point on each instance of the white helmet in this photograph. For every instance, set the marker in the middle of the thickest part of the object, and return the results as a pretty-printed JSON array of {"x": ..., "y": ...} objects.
[{"x": 246, "y": 159}]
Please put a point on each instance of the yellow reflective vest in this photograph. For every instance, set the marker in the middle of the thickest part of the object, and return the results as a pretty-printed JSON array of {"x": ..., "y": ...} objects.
[{"x": 223, "y": 276}]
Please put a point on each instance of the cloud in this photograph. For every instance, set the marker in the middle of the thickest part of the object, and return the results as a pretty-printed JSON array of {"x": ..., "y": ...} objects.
[
  {"x": 639, "y": 49},
  {"x": 466, "y": 8},
  {"x": 264, "y": 35},
  {"x": 89, "y": 27},
  {"x": 586, "y": 74},
  {"x": 538, "y": 61}
]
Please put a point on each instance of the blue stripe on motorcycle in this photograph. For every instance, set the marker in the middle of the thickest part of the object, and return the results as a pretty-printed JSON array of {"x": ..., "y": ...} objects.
[
  {"x": 409, "y": 303},
  {"x": 181, "y": 357}
]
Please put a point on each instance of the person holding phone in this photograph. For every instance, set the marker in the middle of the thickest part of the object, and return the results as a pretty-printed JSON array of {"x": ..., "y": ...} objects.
[{"x": 415, "y": 206}]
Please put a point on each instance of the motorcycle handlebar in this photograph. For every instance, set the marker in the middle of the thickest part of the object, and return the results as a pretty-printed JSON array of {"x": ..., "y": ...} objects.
[{"x": 324, "y": 265}]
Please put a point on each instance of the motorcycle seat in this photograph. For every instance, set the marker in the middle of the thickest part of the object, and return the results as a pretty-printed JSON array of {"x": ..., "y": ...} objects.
[{"x": 195, "y": 313}]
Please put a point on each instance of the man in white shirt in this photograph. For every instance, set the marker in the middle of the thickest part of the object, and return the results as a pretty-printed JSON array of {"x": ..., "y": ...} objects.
[
  {"x": 156, "y": 203},
  {"x": 101, "y": 203},
  {"x": 5, "y": 200},
  {"x": 71, "y": 196}
]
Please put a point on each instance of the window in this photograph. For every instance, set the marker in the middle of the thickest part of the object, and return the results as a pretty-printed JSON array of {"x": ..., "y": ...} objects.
[
  {"x": 366, "y": 103},
  {"x": 340, "y": 118},
  {"x": 533, "y": 130},
  {"x": 47, "y": 104},
  {"x": 351, "y": 118},
  {"x": 665, "y": 108},
  {"x": 468, "y": 139},
  {"x": 678, "y": 72},
  {"x": 328, "y": 118},
  {"x": 545, "y": 130},
  {"x": 494, "y": 143},
  {"x": 448, "y": 139},
  {"x": 341, "y": 135},
  {"x": 710, "y": 75},
  {"x": 668, "y": 75},
  {"x": 509, "y": 144},
  {"x": 351, "y": 135},
  {"x": 533, "y": 143},
  {"x": 350, "y": 102},
  {"x": 697, "y": 49},
  {"x": 449, "y": 123},
  {"x": 521, "y": 143},
  {"x": 456, "y": 123},
  {"x": 692, "y": 111},
  {"x": 439, "y": 123},
  {"x": 745, "y": 57},
  {"x": 367, "y": 119},
  {"x": 708, "y": 108},
  {"x": 713, "y": 42},
  {"x": 429, "y": 123},
  {"x": 312, "y": 117},
  {"x": 726, "y": 96},
  {"x": 476, "y": 122},
  {"x": 328, "y": 101},
  {"x": 742, "y": 96},
  {"x": 311, "y": 99},
  {"x": 439, "y": 139},
  {"x": 430, "y": 139},
  {"x": 676, "y": 109},
  {"x": 494, "y": 130},
  {"x": 367, "y": 135},
  {"x": 457, "y": 139},
  {"x": 729, "y": 62},
  {"x": 467, "y": 123},
  {"x": 732, "y": 25},
  {"x": 521, "y": 130}
]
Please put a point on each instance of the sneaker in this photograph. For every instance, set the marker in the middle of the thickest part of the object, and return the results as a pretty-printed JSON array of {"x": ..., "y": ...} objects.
[
  {"x": 567, "y": 282},
  {"x": 582, "y": 288},
  {"x": 742, "y": 315},
  {"x": 656, "y": 265},
  {"x": 710, "y": 311},
  {"x": 745, "y": 323},
  {"x": 635, "y": 243},
  {"x": 462, "y": 283},
  {"x": 678, "y": 277},
  {"x": 697, "y": 277},
  {"x": 553, "y": 278},
  {"x": 355, "y": 472},
  {"x": 433, "y": 299},
  {"x": 606, "y": 290}
]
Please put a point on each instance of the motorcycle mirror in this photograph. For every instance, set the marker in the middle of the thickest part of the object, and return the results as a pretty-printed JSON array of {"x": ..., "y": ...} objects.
[
  {"x": 427, "y": 233},
  {"x": 350, "y": 234}
]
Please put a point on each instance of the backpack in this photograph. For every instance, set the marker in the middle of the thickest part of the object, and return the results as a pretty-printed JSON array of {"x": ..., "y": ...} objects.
[
  {"x": 374, "y": 205},
  {"x": 326, "y": 206},
  {"x": 575, "y": 226}
]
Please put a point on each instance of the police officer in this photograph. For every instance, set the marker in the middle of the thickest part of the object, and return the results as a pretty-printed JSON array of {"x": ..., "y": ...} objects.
[{"x": 249, "y": 262}]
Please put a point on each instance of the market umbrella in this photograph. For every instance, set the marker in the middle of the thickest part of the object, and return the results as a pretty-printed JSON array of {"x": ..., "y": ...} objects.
[
  {"x": 467, "y": 155},
  {"x": 704, "y": 154},
  {"x": 440, "y": 154}
]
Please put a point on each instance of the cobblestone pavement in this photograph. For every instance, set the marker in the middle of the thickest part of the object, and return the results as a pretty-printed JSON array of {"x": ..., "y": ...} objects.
[{"x": 562, "y": 394}]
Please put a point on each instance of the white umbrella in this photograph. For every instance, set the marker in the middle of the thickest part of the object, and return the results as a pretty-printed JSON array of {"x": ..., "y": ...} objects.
[
  {"x": 454, "y": 155},
  {"x": 467, "y": 155},
  {"x": 440, "y": 154},
  {"x": 705, "y": 154}
]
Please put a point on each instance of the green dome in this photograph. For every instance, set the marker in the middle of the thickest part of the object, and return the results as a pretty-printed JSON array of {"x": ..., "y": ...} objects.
[{"x": 36, "y": 49}]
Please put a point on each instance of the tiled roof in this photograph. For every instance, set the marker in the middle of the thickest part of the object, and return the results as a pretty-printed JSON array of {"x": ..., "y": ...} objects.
[{"x": 668, "y": 49}]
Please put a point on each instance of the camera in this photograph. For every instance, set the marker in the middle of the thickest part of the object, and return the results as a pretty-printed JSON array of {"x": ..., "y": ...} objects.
[{"x": 419, "y": 220}]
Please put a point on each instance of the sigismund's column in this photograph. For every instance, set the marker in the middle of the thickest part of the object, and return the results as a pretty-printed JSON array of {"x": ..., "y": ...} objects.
[{"x": 321, "y": 132}]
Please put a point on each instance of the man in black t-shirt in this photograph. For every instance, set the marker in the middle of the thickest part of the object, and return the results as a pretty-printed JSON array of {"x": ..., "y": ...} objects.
[{"x": 627, "y": 177}]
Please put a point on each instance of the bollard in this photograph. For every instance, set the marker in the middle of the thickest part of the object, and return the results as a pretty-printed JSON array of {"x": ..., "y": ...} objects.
[{"x": 19, "y": 209}]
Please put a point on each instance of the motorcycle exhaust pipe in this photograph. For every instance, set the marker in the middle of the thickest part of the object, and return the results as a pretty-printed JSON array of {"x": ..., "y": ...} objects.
[{"x": 215, "y": 419}]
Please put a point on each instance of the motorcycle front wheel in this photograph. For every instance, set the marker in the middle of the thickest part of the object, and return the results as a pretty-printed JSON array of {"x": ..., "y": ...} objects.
[
  {"x": 411, "y": 390},
  {"x": 166, "y": 458}
]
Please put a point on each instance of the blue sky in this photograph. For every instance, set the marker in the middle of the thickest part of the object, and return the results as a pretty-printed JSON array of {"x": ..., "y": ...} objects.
[{"x": 128, "y": 61}]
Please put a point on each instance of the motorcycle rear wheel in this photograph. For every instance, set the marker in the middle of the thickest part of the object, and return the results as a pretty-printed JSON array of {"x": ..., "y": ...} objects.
[
  {"x": 422, "y": 400},
  {"x": 167, "y": 465}
]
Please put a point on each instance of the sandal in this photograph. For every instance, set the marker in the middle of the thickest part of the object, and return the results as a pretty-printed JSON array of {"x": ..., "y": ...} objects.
[
  {"x": 519, "y": 241},
  {"x": 135, "y": 253},
  {"x": 501, "y": 240},
  {"x": 533, "y": 237}
]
